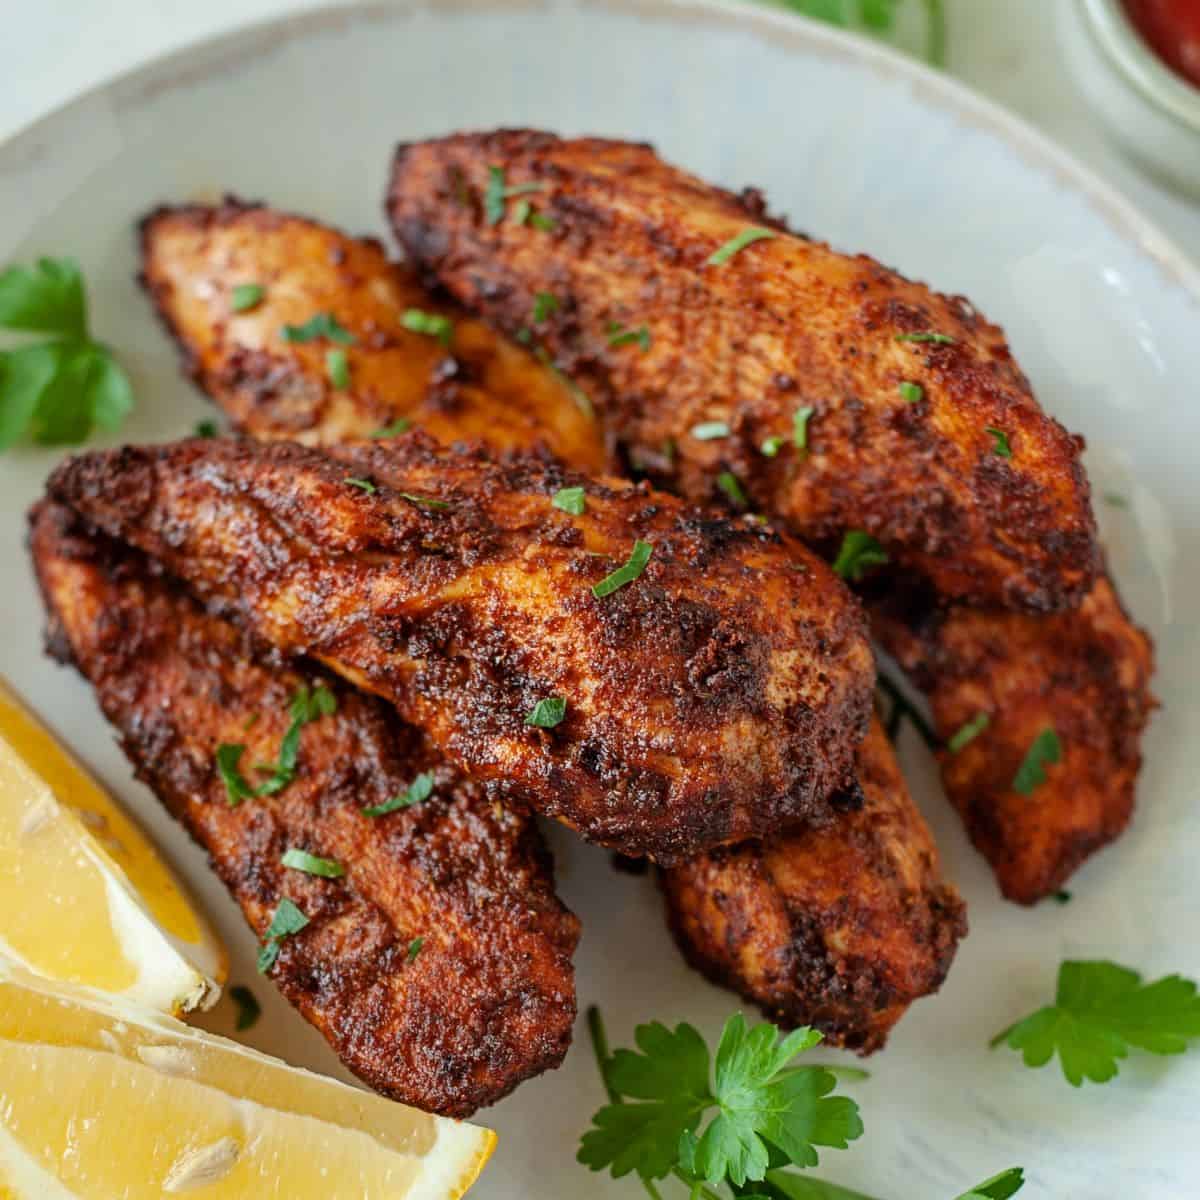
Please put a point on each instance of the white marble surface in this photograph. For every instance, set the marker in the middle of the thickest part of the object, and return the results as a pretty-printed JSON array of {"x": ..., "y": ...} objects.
[{"x": 1004, "y": 48}]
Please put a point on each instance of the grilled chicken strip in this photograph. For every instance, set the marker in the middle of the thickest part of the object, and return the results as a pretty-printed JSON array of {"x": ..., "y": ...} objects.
[
  {"x": 921, "y": 430},
  {"x": 467, "y": 383},
  {"x": 1084, "y": 675},
  {"x": 719, "y": 695},
  {"x": 842, "y": 929},
  {"x": 486, "y": 998}
]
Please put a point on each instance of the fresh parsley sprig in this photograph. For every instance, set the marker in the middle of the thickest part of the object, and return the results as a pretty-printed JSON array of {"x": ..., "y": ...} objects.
[
  {"x": 1099, "y": 1012},
  {"x": 55, "y": 391},
  {"x": 672, "y": 1112}
]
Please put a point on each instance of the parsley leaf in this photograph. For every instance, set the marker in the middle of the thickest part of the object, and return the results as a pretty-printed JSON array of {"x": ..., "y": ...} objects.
[
  {"x": 414, "y": 948},
  {"x": 639, "y": 556},
  {"x": 859, "y": 550},
  {"x": 364, "y": 485},
  {"x": 420, "y": 789},
  {"x": 926, "y": 336},
  {"x": 619, "y": 336},
  {"x": 424, "y": 501},
  {"x": 416, "y": 320},
  {"x": 55, "y": 391},
  {"x": 571, "y": 500},
  {"x": 248, "y": 1007},
  {"x": 246, "y": 296},
  {"x": 312, "y": 864},
  {"x": 708, "y": 431},
  {"x": 541, "y": 221},
  {"x": 968, "y": 732},
  {"x": 771, "y": 446},
  {"x": 229, "y": 754},
  {"x": 205, "y": 429},
  {"x": 800, "y": 428},
  {"x": 547, "y": 712},
  {"x": 394, "y": 429},
  {"x": 911, "y": 393},
  {"x": 544, "y": 303},
  {"x": 661, "y": 1095},
  {"x": 497, "y": 193},
  {"x": 337, "y": 367},
  {"x": 287, "y": 920},
  {"x": 735, "y": 244},
  {"x": 1045, "y": 749},
  {"x": 729, "y": 483},
  {"x": 322, "y": 325},
  {"x": 999, "y": 1187},
  {"x": 1000, "y": 446},
  {"x": 1099, "y": 1012}
]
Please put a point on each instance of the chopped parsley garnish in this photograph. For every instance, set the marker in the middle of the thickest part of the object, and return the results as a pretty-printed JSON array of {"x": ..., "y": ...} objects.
[
  {"x": 229, "y": 755},
  {"x": 911, "y": 393},
  {"x": 521, "y": 211},
  {"x": 1045, "y": 749},
  {"x": 735, "y": 244},
  {"x": 547, "y": 712},
  {"x": 398, "y": 426},
  {"x": 57, "y": 390},
  {"x": 205, "y": 429},
  {"x": 323, "y": 325},
  {"x": 248, "y": 1007},
  {"x": 1100, "y": 1011},
  {"x": 524, "y": 335},
  {"x": 627, "y": 573},
  {"x": 337, "y": 367},
  {"x": 968, "y": 732},
  {"x": 424, "y": 501},
  {"x": 582, "y": 400},
  {"x": 859, "y": 550},
  {"x": 541, "y": 221},
  {"x": 419, "y": 790},
  {"x": 1061, "y": 897},
  {"x": 729, "y": 483},
  {"x": 761, "y": 1112},
  {"x": 1000, "y": 441},
  {"x": 927, "y": 336},
  {"x": 364, "y": 485},
  {"x": 434, "y": 325},
  {"x": 544, "y": 303},
  {"x": 414, "y": 948},
  {"x": 572, "y": 500},
  {"x": 619, "y": 336},
  {"x": 311, "y": 864},
  {"x": 999, "y": 1187},
  {"x": 1116, "y": 500},
  {"x": 708, "y": 431},
  {"x": 800, "y": 427},
  {"x": 246, "y": 296},
  {"x": 288, "y": 919},
  {"x": 497, "y": 192},
  {"x": 771, "y": 446}
]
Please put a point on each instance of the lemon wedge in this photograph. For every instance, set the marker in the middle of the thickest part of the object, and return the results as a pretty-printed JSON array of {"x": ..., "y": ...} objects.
[
  {"x": 84, "y": 897},
  {"x": 101, "y": 1098}
]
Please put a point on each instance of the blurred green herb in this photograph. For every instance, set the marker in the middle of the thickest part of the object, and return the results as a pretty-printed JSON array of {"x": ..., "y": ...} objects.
[{"x": 891, "y": 21}]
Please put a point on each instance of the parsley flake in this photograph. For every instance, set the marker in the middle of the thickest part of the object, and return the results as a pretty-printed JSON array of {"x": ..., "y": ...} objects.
[
  {"x": 572, "y": 500},
  {"x": 859, "y": 550},
  {"x": 771, "y": 446},
  {"x": 708, "y": 431},
  {"x": 1099, "y": 1012},
  {"x": 337, "y": 367},
  {"x": 800, "y": 427},
  {"x": 205, "y": 429},
  {"x": 1061, "y": 897},
  {"x": 55, "y": 391},
  {"x": 435, "y": 325},
  {"x": 521, "y": 212},
  {"x": 229, "y": 755},
  {"x": 312, "y": 864},
  {"x": 582, "y": 400},
  {"x": 394, "y": 429},
  {"x": 968, "y": 732},
  {"x": 1115, "y": 500},
  {"x": 1044, "y": 750},
  {"x": 419, "y": 790},
  {"x": 364, "y": 485},
  {"x": 547, "y": 712},
  {"x": 544, "y": 303},
  {"x": 286, "y": 921},
  {"x": 999, "y": 1187},
  {"x": 414, "y": 948},
  {"x": 619, "y": 336},
  {"x": 424, "y": 501},
  {"x": 1000, "y": 446},
  {"x": 323, "y": 325},
  {"x": 911, "y": 393},
  {"x": 729, "y": 483},
  {"x": 735, "y": 244},
  {"x": 248, "y": 1007},
  {"x": 633, "y": 567},
  {"x": 497, "y": 192},
  {"x": 246, "y": 296},
  {"x": 926, "y": 336},
  {"x": 541, "y": 221}
]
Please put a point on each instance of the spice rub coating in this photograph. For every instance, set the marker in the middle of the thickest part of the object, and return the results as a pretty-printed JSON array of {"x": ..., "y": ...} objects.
[
  {"x": 469, "y": 383},
  {"x": 781, "y": 325},
  {"x": 1085, "y": 675},
  {"x": 841, "y": 928},
  {"x": 718, "y": 696},
  {"x": 489, "y": 999}
]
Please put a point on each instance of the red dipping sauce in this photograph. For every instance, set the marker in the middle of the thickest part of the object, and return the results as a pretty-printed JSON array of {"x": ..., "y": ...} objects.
[{"x": 1172, "y": 28}]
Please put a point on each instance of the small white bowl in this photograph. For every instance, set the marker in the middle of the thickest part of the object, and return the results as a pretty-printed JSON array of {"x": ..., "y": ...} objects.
[{"x": 1153, "y": 113}]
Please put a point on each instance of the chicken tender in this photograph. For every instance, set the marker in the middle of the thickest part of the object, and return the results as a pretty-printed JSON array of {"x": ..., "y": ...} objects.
[
  {"x": 662, "y": 679},
  {"x": 238, "y": 285},
  {"x": 841, "y": 928},
  {"x": 439, "y": 965},
  {"x": 832, "y": 392}
]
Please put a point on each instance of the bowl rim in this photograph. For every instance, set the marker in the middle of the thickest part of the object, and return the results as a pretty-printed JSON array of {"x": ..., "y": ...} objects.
[{"x": 1121, "y": 42}]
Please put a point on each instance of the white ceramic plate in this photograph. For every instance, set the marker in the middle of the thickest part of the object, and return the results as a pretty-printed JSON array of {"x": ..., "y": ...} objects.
[{"x": 875, "y": 154}]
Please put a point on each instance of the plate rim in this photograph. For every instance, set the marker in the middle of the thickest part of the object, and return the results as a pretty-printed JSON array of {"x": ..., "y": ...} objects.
[{"x": 956, "y": 98}]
